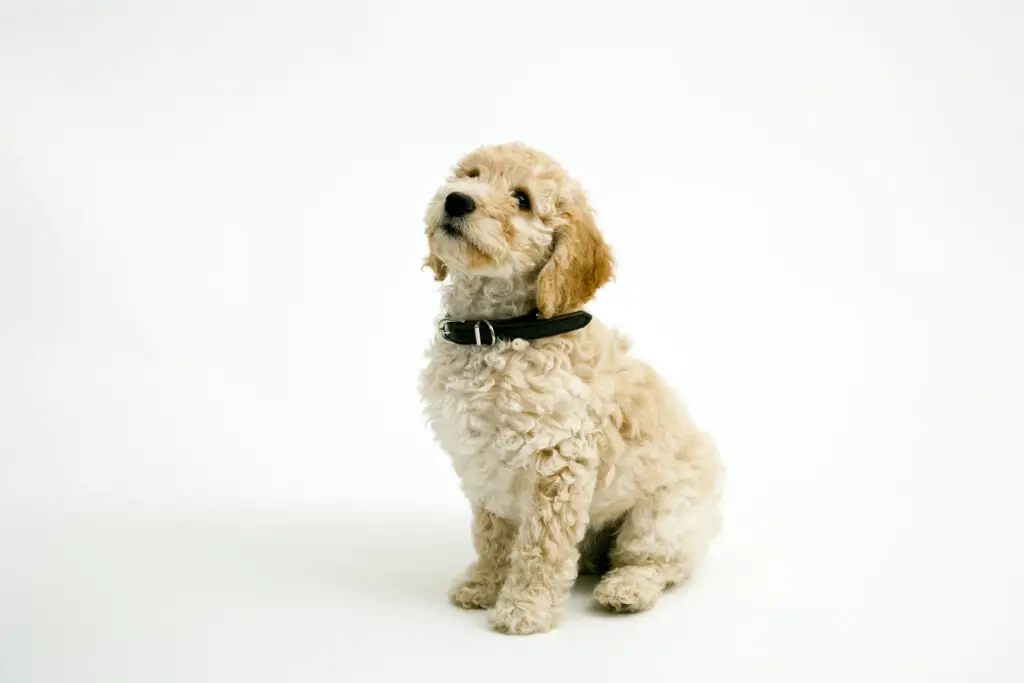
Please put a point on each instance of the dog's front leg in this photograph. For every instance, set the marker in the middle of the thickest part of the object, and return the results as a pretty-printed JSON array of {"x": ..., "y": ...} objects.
[
  {"x": 543, "y": 561},
  {"x": 493, "y": 538}
]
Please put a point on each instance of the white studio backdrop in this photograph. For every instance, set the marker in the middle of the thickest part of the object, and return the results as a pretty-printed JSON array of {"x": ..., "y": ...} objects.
[{"x": 212, "y": 319}]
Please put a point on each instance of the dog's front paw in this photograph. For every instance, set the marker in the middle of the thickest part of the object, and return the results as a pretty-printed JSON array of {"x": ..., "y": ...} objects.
[
  {"x": 473, "y": 594},
  {"x": 522, "y": 617},
  {"x": 628, "y": 589}
]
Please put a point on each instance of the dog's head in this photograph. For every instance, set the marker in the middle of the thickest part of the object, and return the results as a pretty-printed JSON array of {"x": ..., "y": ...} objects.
[{"x": 510, "y": 211}]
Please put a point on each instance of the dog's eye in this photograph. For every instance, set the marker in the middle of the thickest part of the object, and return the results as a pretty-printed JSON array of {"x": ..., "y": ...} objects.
[
  {"x": 473, "y": 174},
  {"x": 523, "y": 199}
]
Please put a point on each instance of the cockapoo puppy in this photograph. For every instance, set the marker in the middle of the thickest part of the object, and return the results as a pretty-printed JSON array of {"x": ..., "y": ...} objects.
[{"x": 574, "y": 455}]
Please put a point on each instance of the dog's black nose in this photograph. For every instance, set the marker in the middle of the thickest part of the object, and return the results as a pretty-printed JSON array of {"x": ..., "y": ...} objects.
[{"x": 457, "y": 204}]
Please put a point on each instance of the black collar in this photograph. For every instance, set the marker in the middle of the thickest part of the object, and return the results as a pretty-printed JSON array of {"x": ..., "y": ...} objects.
[{"x": 529, "y": 326}]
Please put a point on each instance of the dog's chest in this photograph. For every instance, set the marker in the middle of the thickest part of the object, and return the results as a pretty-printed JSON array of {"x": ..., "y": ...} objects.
[
  {"x": 488, "y": 480},
  {"x": 494, "y": 408}
]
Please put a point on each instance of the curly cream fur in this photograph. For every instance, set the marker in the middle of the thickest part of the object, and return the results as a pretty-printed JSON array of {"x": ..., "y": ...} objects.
[{"x": 564, "y": 444}]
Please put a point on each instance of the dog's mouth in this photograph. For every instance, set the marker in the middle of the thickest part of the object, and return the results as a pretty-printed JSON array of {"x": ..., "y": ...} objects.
[
  {"x": 452, "y": 227},
  {"x": 458, "y": 230}
]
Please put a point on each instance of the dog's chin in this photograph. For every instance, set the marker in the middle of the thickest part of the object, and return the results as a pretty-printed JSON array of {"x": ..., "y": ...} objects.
[{"x": 463, "y": 257}]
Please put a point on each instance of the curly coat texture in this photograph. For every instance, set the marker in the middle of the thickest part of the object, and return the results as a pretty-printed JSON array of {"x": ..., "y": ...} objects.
[{"x": 573, "y": 454}]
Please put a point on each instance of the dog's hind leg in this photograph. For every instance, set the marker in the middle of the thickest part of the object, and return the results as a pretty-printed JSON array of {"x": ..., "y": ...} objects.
[{"x": 661, "y": 540}]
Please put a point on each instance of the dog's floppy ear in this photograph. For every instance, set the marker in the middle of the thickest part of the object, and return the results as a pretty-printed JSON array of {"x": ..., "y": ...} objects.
[
  {"x": 580, "y": 263},
  {"x": 436, "y": 265}
]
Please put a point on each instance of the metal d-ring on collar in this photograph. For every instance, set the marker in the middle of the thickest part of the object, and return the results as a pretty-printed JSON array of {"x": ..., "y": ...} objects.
[{"x": 476, "y": 331}]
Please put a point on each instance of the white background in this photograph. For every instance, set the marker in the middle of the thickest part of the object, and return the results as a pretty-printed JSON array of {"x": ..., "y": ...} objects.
[{"x": 213, "y": 465}]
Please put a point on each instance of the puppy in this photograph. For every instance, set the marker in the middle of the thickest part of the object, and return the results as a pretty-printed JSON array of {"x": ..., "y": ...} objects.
[{"x": 574, "y": 455}]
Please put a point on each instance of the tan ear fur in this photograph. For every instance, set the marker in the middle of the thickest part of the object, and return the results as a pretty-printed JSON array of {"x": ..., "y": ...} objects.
[
  {"x": 436, "y": 265},
  {"x": 580, "y": 263}
]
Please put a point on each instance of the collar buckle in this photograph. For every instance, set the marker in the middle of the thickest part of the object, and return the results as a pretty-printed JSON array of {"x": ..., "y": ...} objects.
[{"x": 442, "y": 328}]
